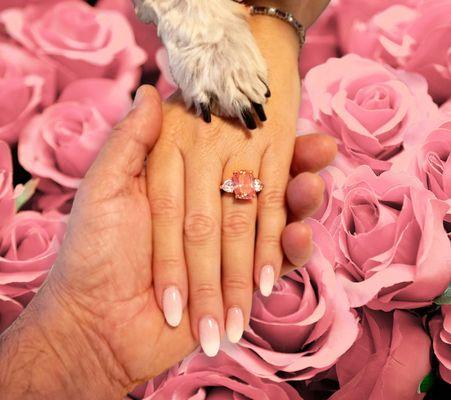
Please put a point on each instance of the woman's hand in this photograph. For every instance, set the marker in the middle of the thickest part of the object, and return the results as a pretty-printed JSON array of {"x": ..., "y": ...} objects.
[
  {"x": 209, "y": 247},
  {"x": 94, "y": 330}
]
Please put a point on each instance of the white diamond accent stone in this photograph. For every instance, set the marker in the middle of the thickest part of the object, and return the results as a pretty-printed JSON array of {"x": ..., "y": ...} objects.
[
  {"x": 228, "y": 186},
  {"x": 258, "y": 185}
]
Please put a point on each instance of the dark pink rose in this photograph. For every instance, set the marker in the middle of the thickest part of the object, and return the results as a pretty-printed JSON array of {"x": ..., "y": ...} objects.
[
  {"x": 145, "y": 34},
  {"x": 393, "y": 251},
  {"x": 9, "y": 311},
  {"x": 321, "y": 42},
  {"x": 6, "y": 184},
  {"x": 28, "y": 247},
  {"x": 81, "y": 41},
  {"x": 165, "y": 85},
  {"x": 304, "y": 326},
  {"x": 440, "y": 327},
  {"x": 219, "y": 378},
  {"x": 368, "y": 107},
  {"x": 60, "y": 144},
  {"x": 388, "y": 361},
  {"x": 415, "y": 36},
  {"x": 25, "y": 84}
]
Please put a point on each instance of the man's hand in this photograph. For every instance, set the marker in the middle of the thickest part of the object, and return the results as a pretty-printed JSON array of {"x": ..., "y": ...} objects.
[{"x": 94, "y": 330}]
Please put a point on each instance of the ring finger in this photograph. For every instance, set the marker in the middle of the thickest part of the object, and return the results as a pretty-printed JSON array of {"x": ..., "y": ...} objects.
[{"x": 238, "y": 246}]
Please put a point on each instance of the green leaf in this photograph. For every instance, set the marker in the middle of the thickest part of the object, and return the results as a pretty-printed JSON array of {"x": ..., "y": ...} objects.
[
  {"x": 445, "y": 298},
  {"x": 26, "y": 193},
  {"x": 426, "y": 384}
]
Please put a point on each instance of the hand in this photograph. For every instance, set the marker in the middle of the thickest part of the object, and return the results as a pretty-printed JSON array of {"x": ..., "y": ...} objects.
[
  {"x": 220, "y": 247},
  {"x": 94, "y": 330}
]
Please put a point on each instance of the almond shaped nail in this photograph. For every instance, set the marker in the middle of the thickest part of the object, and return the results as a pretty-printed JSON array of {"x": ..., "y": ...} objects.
[{"x": 172, "y": 306}]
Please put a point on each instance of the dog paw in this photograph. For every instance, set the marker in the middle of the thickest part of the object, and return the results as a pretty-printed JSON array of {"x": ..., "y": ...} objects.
[{"x": 215, "y": 61}]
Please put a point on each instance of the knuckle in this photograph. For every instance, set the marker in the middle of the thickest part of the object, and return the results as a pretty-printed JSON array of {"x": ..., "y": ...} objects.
[
  {"x": 168, "y": 264},
  {"x": 199, "y": 227},
  {"x": 269, "y": 240},
  {"x": 204, "y": 291},
  {"x": 236, "y": 224},
  {"x": 236, "y": 282},
  {"x": 272, "y": 199},
  {"x": 165, "y": 205}
]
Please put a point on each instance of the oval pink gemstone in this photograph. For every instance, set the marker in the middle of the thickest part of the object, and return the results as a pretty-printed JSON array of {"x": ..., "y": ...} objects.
[{"x": 243, "y": 185}]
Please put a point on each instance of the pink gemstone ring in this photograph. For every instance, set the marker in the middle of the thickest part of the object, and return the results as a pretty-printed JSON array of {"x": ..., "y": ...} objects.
[{"x": 243, "y": 185}]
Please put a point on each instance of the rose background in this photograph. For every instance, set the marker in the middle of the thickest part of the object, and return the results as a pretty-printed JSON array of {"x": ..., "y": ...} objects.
[{"x": 369, "y": 317}]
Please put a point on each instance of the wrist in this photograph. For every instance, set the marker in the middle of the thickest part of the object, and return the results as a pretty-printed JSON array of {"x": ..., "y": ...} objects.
[
  {"x": 47, "y": 353},
  {"x": 279, "y": 45}
]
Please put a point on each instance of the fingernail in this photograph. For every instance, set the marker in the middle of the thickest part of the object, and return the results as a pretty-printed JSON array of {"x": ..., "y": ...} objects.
[
  {"x": 209, "y": 336},
  {"x": 172, "y": 306},
  {"x": 266, "y": 280},
  {"x": 234, "y": 324},
  {"x": 138, "y": 97}
]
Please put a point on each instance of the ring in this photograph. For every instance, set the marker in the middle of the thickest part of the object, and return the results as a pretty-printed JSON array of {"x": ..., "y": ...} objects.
[{"x": 243, "y": 185}]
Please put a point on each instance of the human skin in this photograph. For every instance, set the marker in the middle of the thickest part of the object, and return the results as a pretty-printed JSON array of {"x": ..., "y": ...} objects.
[
  {"x": 94, "y": 330},
  {"x": 217, "y": 252}
]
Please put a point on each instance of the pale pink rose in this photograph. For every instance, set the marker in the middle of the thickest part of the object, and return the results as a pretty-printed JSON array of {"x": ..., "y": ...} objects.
[
  {"x": 393, "y": 251},
  {"x": 428, "y": 156},
  {"x": 321, "y": 42},
  {"x": 353, "y": 17},
  {"x": 165, "y": 85},
  {"x": 9, "y": 311},
  {"x": 145, "y": 34},
  {"x": 6, "y": 185},
  {"x": 59, "y": 145},
  {"x": 26, "y": 83},
  {"x": 28, "y": 247},
  {"x": 368, "y": 107},
  {"x": 440, "y": 327},
  {"x": 388, "y": 361},
  {"x": 80, "y": 40},
  {"x": 415, "y": 36},
  {"x": 220, "y": 378},
  {"x": 304, "y": 326}
]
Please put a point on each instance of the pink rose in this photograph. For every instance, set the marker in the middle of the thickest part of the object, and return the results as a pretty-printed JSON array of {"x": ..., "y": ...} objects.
[
  {"x": 60, "y": 144},
  {"x": 321, "y": 42},
  {"x": 415, "y": 36},
  {"x": 440, "y": 327},
  {"x": 165, "y": 85},
  {"x": 9, "y": 311},
  {"x": 81, "y": 41},
  {"x": 353, "y": 17},
  {"x": 145, "y": 34},
  {"x": 219, "y": 378},
  {"x": 329, "y": 212},
  {"x": 21, "y": 3},
  {"x": 445, "y": 109},
  {"x": 368, "y": 107},
  {"x": 304, "y": 326},
  {"x": 25, "y": 84},
  {"x": 393, "y": 251},
  {"x": 428, "y": 156},
  {"x": 6, "y": 185},
  {"x": 388, "y": 361},
  {"x": 28, "y": 247}
]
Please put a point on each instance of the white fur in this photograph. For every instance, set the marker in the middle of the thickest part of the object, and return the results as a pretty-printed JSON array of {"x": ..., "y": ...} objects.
[{"x": 212, "y": 53}]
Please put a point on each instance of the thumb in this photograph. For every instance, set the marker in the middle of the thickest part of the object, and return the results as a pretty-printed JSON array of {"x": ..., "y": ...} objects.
[{"x": 126, "y": 149}]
